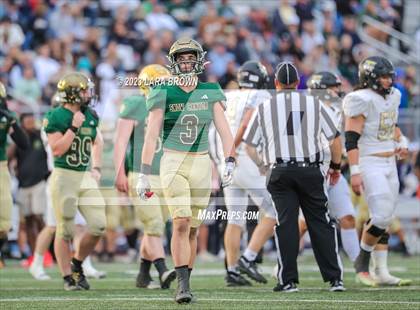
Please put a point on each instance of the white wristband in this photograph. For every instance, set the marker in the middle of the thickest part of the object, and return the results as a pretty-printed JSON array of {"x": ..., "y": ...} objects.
[
  {"x": 354, "y": 169},
  {"x": 403, "y": 143}
]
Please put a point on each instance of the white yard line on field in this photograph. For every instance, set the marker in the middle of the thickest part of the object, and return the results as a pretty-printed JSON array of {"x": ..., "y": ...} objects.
[
  {"x": 253, "y": 288},
  {"x": 151, "y": 298}
]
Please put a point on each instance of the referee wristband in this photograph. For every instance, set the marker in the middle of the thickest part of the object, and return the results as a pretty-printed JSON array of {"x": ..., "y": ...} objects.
[
  {"x": 354, "y": 169},
  {"x": 335, "y": 166},
  {"x": 146, "y": 169}
]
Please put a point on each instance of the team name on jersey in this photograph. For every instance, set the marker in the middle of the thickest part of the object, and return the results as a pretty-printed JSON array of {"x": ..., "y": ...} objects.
[
  {"x": 87, "y": 131},
  {"x": 190, "y": 106}
]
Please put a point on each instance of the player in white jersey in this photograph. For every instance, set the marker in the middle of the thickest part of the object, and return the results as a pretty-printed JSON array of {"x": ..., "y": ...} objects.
[
  {"x": 247, "y": 180},
  {"x": 373, "y": 141},
  {"x": 327, "y": 87}
]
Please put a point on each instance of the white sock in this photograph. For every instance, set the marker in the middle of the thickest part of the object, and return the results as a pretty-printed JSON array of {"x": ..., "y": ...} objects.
[
  {"x": 380, "y": 261},
  {"x": 366, "y": 247},
  {"x": 350, "y": 243},
  {"x": 250, "y": 255},
  {"x": 233, "y": 269},
  {"x": 38, "y": 260}
]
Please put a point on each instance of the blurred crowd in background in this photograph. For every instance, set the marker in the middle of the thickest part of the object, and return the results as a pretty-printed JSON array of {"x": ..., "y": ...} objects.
[{"x": 41, "y": 40}]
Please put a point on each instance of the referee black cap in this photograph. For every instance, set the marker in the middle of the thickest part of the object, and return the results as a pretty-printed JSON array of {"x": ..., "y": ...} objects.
[{"x": 286, "y": 73}]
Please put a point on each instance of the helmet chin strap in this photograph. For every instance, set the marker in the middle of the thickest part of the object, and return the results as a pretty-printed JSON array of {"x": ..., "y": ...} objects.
[{"x": 381, "y": 90}]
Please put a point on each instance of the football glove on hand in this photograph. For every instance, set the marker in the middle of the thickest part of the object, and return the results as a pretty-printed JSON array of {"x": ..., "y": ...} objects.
[
  {"x": 143, "y": 187},
  {"x": 227, "y": 177}
]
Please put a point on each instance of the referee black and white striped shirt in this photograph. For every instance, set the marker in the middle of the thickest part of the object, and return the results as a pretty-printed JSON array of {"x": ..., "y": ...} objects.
[{"x": 292, "y": 127}]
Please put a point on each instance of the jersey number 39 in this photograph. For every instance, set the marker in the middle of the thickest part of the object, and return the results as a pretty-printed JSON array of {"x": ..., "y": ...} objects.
[{"x": 79, "y": 152}]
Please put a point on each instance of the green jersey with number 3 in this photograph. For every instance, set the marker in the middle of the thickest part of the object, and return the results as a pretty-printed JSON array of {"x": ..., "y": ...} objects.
[
  {"x": 187, "y": 115},
  {"x": 77, "y": 157},
  {"x": 134, "y": 108}
]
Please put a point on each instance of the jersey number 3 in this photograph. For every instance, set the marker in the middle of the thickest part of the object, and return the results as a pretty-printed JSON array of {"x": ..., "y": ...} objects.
[{"x": 189, "y": 123}]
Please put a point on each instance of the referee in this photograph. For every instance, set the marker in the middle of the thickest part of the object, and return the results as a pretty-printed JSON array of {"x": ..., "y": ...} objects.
[{"x": 292, "y": 130}]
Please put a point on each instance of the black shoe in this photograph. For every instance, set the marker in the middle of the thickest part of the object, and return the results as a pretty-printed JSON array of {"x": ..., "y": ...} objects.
[
  {"x": 183, "y": 292},
  {"x": 167, "y": 278},
  {"x": 287, "y": 288},
  {"x": 235, "y": 279},
  {"x": 146, "y": 281},
  {"x": 337, "y": 286},
  {"x": 250, "y": 269},
  {"x": 183, "y": 297},
  {"x": 70, "y": 285},
  {"x": 79, "y": 277}
]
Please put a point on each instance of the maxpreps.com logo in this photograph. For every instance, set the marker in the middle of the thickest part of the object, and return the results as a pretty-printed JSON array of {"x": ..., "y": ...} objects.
[{"x": 227, "y": 215}]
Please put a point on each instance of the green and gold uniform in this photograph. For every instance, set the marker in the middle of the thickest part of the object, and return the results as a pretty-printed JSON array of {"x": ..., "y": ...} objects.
[
  {"x": 153, "y": 212},
  {"x": 185, "y": 166},
  {"x": 6, "y": 202},
  {"x": 72, "y": 185}
]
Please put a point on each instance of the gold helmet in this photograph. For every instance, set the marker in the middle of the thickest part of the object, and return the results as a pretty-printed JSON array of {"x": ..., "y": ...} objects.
[
  {"x": 56, "y": 100},
  {"x": 186, "y": 45},
  {"x": 151, "y": 76},
  {"x": 76, "y": 88}
]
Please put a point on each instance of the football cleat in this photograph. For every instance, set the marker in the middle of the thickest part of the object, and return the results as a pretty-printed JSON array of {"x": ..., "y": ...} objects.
[
  {"x": 365, "y": 279},
  {"x": 94, "y": 274},
  {"x": 145, "y": 281},
  {"x": 251, "y": 270},
  {"x": 235, "y": 279},
  {"x": 80, "y": 278},
  {"x": 183, "y": 296},
  {"x": 384, "y": 278},
  {"x": 70, "y": 285},
  {"x": 286, "y": 288},
  {"x": 166, "y": 278},
  {"x": 337, "y": 286},
  {"x": 38, "y": 273}
]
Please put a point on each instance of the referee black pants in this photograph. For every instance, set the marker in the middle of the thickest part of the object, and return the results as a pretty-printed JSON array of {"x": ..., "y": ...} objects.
[{"x": 291, "y": 187}]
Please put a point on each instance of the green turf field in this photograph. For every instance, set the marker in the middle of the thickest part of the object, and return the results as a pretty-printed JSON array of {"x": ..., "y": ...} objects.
[{"x": 19, "y": 291}]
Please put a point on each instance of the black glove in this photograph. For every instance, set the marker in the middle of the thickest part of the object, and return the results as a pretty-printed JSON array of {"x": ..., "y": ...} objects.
[{"x": 6, "y": 113}]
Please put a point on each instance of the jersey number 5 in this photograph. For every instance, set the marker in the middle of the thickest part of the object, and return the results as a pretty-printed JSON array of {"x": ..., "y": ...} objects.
[{"x": 189, "y": 122}]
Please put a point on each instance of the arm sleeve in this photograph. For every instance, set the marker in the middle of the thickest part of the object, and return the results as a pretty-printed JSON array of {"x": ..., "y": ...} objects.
[
  {"x": 252, "y": 135},
  {"x": 19, "y": 137},
  {"x": 256, "y": 98},
  {"x": 329, "y": 125},
  {"x": 133, "y": 108},
  {"x": 156, "y": 99},
  {"x": 51, "y": 125},
  {"x": 354, "y": 105},
  {"x": 216, "y": 95}
]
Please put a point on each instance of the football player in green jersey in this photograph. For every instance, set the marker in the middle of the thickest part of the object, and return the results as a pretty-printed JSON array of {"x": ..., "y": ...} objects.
[
  {"x": 184, "y": 110},
  {"x": 76, "y": 144},
  {"x": 152, "y": 213},
  {"x": 8, "y": 125}
]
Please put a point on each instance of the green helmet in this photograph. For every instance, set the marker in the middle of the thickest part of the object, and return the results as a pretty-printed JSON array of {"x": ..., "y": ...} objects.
[
  {"x": 76, "y": 88},
  {"x": 186, "y": 45}
]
